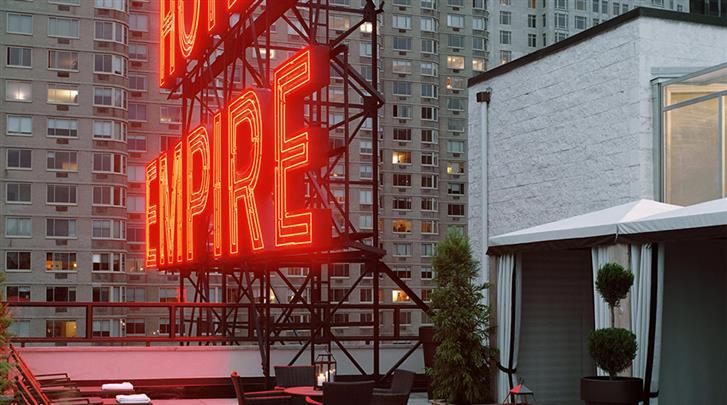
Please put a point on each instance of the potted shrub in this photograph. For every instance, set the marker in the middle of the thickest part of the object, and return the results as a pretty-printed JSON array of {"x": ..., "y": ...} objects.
[
  {"x": 612, "y": 349},
  {"x": 462, "y": 369},
  {"x": 6, "y": 385}
]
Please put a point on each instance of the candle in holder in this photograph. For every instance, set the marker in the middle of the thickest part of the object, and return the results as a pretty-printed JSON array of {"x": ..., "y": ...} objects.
[{"x": 321, "y": 380}]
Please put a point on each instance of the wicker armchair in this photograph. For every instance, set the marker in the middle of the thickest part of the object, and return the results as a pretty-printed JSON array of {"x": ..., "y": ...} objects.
[
  {"x": 295, "y": 376},
  {"x": 387, "y": 398},
  {"x": 346, "y": 393},
  {"x": 401, "y": 383},
  {"x": 272, "y": 397}
]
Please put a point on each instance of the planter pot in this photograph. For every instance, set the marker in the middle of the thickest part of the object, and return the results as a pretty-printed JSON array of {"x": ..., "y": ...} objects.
[
  {"x": 616, "y": 391},
  {"x": 429, "y": 347}
]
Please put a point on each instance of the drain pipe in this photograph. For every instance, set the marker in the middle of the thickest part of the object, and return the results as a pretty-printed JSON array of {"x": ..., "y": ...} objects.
[{"x": 483, "y": 101}]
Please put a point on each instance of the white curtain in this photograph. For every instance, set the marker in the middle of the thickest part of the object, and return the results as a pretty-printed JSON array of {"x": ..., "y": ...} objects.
[
  {"x": 641, "y": 304},
  {"x": 508, "y": 321}
]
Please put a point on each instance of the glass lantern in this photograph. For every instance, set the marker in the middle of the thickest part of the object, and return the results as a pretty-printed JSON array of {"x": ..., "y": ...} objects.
[{"x": 325, "y": 366}]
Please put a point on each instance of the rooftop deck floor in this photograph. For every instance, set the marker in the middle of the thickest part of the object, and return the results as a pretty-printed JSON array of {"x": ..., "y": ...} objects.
[{"x": 416, "y": 398}]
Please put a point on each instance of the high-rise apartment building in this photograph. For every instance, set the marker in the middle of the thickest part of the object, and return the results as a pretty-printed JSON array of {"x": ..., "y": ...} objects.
[
  {"x": 81, "y": 115},
  {"x": 519, "y": 27}
]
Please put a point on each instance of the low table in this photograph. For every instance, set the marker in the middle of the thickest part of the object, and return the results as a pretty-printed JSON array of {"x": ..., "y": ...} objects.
[{"x": 304, "y": 392}]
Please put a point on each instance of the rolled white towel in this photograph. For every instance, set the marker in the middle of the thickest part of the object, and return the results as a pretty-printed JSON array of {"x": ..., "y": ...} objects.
[
  {"x": 133, "y": 399},
  {"x": 124, "y": 386}
]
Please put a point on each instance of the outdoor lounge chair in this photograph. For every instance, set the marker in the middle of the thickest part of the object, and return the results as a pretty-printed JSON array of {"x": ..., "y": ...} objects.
[
  {"x": 401, "y": 383},
  {"x": 272, "y": 397},
  {"x": 295, "y": 376},
  {"x": 345, "y": 393}
]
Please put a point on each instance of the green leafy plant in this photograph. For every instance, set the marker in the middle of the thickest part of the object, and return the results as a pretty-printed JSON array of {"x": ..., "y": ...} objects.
[
  {"x": 463, "y": 364},
  {"x": 613, "y": 349}
]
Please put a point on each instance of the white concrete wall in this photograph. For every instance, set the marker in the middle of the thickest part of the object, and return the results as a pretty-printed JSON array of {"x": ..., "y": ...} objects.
[
  {"x": 572, "y": 132},
  {"x": 164, "y": 362}
]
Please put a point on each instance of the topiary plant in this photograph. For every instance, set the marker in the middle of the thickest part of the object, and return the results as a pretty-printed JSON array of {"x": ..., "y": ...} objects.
[
  {"x": 613, "y": 349},
  {"x": 463, "y": 363}
]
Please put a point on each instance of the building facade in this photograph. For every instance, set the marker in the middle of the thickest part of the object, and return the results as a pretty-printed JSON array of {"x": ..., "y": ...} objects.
[{"x": 518, "y": 28}]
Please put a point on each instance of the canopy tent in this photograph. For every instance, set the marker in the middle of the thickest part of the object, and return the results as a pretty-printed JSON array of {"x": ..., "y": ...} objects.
[
  {"x": 706, "y": 220},
  {"x": 580, "y": 230}
]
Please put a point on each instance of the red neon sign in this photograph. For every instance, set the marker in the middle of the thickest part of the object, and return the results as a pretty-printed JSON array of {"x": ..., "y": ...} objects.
[{"x": 248, "y": 180}]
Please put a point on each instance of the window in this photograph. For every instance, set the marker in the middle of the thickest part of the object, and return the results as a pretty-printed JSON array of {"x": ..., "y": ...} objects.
[
  {"x": 62, "y": 94},
  {"x": 429, "y": 4},
  {"x": 402, "y": 226},
  {"x": 401, "y": 158},
  {"x": 108, "y": 261},
  {"x": 429, "y": 180},
  {"x": 428, "y": 249},
  {"x": 455, "y": 146},
  {"x": 365, "y": 147},
  {"x": 402, "y": 180},
  {"x": 66, "y": 161},
  {"x": 456, "y": 104},
  {"x": 18, "y": 227},
  {"x": 60, "y": 228},
  {"x": 138, "y": 52},
  {"x": 19, "y": 125},
  {"x": 401, "y": 111},
  {"x": 430, "y": 90},
  {"x": 365, "y": 197},
  {"x": 60, "y": 294},
  {"x": 119, "y": 5},
  {"x": 107, "y": 63},
  {"x": 430, "y": 159},
  {"x": 62, "y": 27},
  {"x": 19, "y": 57},
  {"x": 429, "y": 227},
  {"x": 111, "y": 31},
  {"x": 403, "y": 272},
  {"x": 402, "y": 43},
  {"x": 108, "y": 229},
  {"x": 138, "y": 22},
  {"x": 366, "y": 172},
  {"x": 135, "y": 294},
  {"x": 168, "y": 295},
  {"x": 135, "y": 327},
  {"x": 430, "y": 113},
  {"x": 111, "y": 130},
  {"x": 580, "y": 5},
  {"x": 19, "y": 24},
  {"x": 401, "y": 66},
  {"x": 479, "y": 4},
  {"x": 505, "y": 17},
  {"x": 109, "y": 163},
  {"x": 479, "y": 23},
  {"x": 60, "y": 261},
  {"x": 62, "y": 128},
  {"x": 62, "y": 60},
  {"x": 616, "y": 9},
  {"x": 479, "y": 64},
  {"x": 401, "y": 203},
  {"x": 532, "y": 21},
  {"x": 17, "y": 261},
  {"x": 17, "y": 193},
  {"x": 428, "y": 24},
  {"x": 365, "y": 50},
  {"x": 21, "y": 92},
  {"x": 137, "y": 143},
  {"x": 401, "y": 89},
  {"x": 60, "y": 328},
  {"x": 580, "y": 22},
  {"x": 61, "y": 194},
  {"x": 399, "y": 296},
  {"x": 16, "y": 293},
  {"x": 19, "y": 159},
  {"x": 366, "y": 295},
  {"x": 426, "y": 273},
  {"x": 402, "y": 22},
  {"x": 596, "y": 5},
  {"x": 455, "y": 168},
  {"x": 137, "y": 112},
  {"x": 402, "y": 250},
  {"x": 604, "y": 7},
  {"x": 455, "y": 62},
  {"x": 532, "y": 40},
  {"x": 109, "y": 97},
  {"x": 135, "y": 204},
  {"x": 506, "y": 37},
  {"x": 455, "y": 41},
  {"x": 430, "y": 136},
  {"x": 455, "y": 188},
  {"x": 170, "y": 115},
  {"x": 429, "y": 46},
  {"x": 402, "y": 134},
  {"x": 561, "y": 4},
  {"x": 135, "y": 234},
  {"x": 429, "y": 204},
  {"x": 561, "y": 21},
  {"x": 455, "y": 21},
  {"x": 429, "y": 69},
  {"x": 559, "y": 36},
  {"x": 479, "y": 43},
  {"x": 455, "y": 210}
]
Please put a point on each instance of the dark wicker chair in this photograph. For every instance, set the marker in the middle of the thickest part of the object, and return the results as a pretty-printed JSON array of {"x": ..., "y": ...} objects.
[
  {"x": 388, "y": 398},
  {"x": 347, "y": 393},
  {"x": 401, "y": 383},
  {"x": 295, "y": 376},
  {"x": 273, "y": 397}
]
